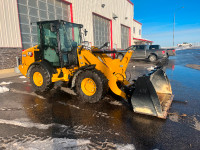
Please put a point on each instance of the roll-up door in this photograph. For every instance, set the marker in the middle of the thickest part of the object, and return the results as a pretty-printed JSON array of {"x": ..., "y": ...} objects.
[
  {"x": 39, "y": 10},
  {"x": 124, "y": 37},
  {"x": 101, "y": 30}
]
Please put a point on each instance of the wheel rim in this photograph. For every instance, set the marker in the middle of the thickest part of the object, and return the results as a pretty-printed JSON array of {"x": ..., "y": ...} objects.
[
  {"x": 88, "y": 86},
  {"x": 38, "y": 79},
  {"x": 152, "y": 58}
]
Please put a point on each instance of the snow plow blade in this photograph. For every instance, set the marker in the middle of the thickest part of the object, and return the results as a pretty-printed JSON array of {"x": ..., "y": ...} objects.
[{"x": 152, "y": 94}]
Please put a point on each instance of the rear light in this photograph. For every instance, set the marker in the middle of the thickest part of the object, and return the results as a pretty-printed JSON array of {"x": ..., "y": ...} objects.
[
  {"x": 173, "y": 50},
  {"x": 163, "y": 52},
  {"x": 173, "y": 67},
  {"x": 23, "y": 50}
]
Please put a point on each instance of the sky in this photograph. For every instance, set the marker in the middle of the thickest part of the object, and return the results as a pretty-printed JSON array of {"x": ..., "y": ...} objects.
[{"x": 157, "y": 18}]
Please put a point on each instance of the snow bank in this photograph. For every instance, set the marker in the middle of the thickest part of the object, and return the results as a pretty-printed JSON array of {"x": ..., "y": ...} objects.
[
  {"x": 61, "y": 144},
  {"x": 5, "y": 83},
  {"x": 25, "y": 124},
  {"x": 3, "y": 89},
  {"x": 150, "y": 68},
  {"x": 22, "y": 77}
]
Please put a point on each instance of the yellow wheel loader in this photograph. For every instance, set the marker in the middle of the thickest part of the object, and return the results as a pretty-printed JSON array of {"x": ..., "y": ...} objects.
[{"x": 60, "y": 56}]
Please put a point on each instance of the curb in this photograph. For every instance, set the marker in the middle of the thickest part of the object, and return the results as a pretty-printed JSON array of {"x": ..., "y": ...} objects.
[{"x": 6, "y": 73}]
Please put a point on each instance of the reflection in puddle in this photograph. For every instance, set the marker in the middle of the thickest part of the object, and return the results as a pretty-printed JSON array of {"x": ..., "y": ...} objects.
[{"x": 67, "y": 117}]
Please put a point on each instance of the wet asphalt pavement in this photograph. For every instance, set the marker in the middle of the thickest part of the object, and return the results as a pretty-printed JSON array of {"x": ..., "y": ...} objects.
[{"x": 58, "y": 120}]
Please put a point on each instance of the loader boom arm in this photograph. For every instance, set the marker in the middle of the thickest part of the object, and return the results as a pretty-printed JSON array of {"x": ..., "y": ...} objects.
[{"x": 113, "y": 69}]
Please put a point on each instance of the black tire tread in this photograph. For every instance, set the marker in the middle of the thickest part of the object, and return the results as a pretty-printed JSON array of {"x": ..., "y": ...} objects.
[
  {"x": 101, "y": 77},
  {"x": 48, "y": 85}
]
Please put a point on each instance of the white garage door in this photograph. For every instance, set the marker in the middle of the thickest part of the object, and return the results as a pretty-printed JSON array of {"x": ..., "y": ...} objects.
[
  {"x": 38, "y": 10},
  {"x": 101, "y": 30}
]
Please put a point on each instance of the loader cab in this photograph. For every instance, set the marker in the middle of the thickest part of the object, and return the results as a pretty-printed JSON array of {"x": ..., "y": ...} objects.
[{"x": 58, "y": 41}]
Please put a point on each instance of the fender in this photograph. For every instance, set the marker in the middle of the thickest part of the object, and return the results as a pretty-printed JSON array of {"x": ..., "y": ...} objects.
[
  {"x": 152, "y": 54},
  {"x": 45, "y": 64}
]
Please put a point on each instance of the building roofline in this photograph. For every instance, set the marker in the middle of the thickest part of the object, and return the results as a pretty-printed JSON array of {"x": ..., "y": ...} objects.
[
  {"x": 137, "y": 21},
  {"x": 130, "y": 2},
  {"x": 144, "y": 40}
]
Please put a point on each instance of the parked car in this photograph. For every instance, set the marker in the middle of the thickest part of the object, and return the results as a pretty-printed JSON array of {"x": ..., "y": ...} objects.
[
  {"x": 144, "y": 52},
  {"x": 170, "y": 52},
  {"x": 185, "y": 44}
]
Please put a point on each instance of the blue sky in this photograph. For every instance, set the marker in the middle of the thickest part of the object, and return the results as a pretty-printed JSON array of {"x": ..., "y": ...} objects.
[{"x": 157, "y": 19}]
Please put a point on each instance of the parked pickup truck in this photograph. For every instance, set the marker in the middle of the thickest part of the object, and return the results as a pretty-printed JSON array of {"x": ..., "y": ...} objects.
[
  {"x": 145, "y": 52},
  {"x": 170, "y": 52}
]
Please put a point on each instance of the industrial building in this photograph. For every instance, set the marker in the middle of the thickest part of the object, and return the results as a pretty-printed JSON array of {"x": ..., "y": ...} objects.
[{"x": 105, "y": 20}]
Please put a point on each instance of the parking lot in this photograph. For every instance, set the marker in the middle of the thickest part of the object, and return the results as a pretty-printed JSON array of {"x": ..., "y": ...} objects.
[{"x": 58, "y": 120}]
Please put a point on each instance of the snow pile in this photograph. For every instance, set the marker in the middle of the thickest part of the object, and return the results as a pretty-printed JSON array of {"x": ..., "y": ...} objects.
[
  {"x": 49, "y": 144},
  {"x": 150, "y": 68},
  {"x": 59, "y": 144},
  {"x": 125, "y": 147},
  {"x": 197, "y": 124},
  {"x": 5, "y": 83},
  {"x": 115, "y": 103},
  {"x": 3, "y": 89},
  {"x": 26, "y": 124},
  {"x": 22, "y": 77}
]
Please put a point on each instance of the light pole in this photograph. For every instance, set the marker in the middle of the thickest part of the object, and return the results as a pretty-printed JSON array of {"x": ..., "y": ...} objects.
[{"x": 174, "y": 23}]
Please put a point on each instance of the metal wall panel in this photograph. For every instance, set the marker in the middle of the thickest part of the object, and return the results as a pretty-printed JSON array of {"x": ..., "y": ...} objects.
[
  {"x": 101, "y": 30},
  {"x": 83, "y": 13},
  {"x": 138, "y": 27},
  {"x": 9, "y": 24},
  {"x": 38, "y": 10},
  {"x": 124, "y": 37}
]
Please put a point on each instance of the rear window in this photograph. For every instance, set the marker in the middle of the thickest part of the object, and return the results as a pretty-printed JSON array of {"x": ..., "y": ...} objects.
[
  {"x": 140, "y": 46},
  {"x": 154, "y": 47}
]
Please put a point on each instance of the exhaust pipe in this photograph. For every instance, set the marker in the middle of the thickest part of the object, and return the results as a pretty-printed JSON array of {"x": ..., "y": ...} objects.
[{"x": 17, "y": 62}]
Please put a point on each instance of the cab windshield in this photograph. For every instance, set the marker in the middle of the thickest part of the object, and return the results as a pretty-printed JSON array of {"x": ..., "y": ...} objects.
[{"x": 69, "y": 36}]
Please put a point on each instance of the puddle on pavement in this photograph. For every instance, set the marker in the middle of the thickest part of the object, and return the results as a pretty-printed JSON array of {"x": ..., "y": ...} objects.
[
  {"x": 106, "y": 119},
  {"x": 66, "y": 116}
]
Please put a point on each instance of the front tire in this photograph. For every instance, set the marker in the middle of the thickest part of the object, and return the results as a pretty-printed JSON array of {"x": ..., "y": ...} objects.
[
  {"x": 91, "y": 86},
  {"x": 40, "y": 79}
]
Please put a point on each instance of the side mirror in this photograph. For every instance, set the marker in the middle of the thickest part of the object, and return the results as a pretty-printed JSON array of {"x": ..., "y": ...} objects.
[
  {"x": 85, "y": 32},
  {"x": 107, "y": 44}
]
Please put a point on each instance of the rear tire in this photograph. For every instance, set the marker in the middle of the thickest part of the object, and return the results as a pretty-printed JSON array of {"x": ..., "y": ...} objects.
[
  {"x": 40, "y": 79},
  {"x": 152, "y": 58},
  {"x": 91, "y": 86}
]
